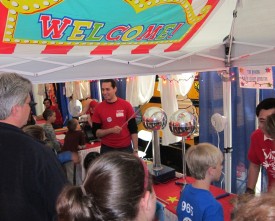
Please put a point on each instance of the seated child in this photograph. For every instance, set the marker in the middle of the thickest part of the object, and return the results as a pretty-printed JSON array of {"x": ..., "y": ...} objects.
[
  {"x": 74, "y": 141},
  {"x": 196, "y": 202},
  {"x": 38, "y": 133},
  {"x": 75, "y": 138},
  {"x": 49, "y": 116}
]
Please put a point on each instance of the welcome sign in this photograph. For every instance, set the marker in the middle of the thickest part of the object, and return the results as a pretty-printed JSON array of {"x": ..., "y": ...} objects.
[{"x": 106, "y": 23}]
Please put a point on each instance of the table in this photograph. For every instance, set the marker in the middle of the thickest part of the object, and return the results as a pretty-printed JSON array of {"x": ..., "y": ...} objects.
[{"x": 169, "y": 193}]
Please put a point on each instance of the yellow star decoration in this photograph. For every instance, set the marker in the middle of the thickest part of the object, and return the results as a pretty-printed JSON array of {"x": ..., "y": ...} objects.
[{"x": 172, "y": 199}]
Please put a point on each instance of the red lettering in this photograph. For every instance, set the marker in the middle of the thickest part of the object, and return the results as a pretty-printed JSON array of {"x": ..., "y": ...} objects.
[
  {"x": 119, "y": 29},
  {"x": 53, "y": 28},
  {"x": 150, "y": 33}
]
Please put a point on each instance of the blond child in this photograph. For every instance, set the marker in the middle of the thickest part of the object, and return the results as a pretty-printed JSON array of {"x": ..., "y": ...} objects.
[{"x": 196, "y": 202}]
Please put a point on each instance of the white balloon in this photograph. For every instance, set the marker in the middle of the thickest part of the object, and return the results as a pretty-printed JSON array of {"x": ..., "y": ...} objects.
[{"x": 75, "y": 107}]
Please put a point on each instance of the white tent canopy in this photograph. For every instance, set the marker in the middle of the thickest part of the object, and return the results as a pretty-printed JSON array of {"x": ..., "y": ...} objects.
[{"x": 252, "y": 44}]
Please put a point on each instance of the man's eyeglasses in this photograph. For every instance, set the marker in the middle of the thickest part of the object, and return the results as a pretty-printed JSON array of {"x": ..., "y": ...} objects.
[{"x": 32, "y": 103}]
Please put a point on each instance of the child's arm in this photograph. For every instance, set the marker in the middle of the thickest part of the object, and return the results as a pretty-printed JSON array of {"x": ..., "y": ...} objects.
[
  {"x": 50, "y": 134},
  {"x": 67, "y": 156},
  {"x": 64, "y": 157}
]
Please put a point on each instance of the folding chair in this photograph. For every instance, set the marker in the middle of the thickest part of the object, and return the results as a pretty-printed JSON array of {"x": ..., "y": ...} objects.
[{"x": 145, "y": 136}]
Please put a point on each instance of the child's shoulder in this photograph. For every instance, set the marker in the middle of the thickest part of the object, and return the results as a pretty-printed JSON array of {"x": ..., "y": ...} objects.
[
  {"x": 48, "y": 126},
  {"x": 73, "y": 132}
]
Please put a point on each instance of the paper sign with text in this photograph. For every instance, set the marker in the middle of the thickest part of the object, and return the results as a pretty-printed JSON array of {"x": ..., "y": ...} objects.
[{"x": 256, "y": 77}]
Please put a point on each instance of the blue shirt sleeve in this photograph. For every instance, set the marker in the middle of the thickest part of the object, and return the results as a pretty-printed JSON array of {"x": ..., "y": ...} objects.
[{"x": 64, "y": 157}]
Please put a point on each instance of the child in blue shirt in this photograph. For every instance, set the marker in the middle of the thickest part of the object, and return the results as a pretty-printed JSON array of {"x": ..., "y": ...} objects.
[{"x": 196, "y": 202}]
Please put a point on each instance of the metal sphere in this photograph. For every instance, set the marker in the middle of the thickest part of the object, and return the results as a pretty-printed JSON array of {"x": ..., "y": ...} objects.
[
  {"x": 154, "y": 118},
  {"x": 182, "y": 123}
]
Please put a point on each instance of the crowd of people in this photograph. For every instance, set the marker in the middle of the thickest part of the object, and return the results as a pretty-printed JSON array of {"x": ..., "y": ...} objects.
[
  {"x": 117, "y": 185},
  {"x": 36, "y": 186}
]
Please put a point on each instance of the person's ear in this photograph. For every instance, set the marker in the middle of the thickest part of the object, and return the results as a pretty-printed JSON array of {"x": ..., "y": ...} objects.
[
  {"x": 15, "y": 109},
  {"x": 145, "y": 201},
  {"x": 210, "y": 171}
]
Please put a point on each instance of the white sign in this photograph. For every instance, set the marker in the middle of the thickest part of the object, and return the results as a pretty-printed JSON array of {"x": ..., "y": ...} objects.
[{"x": 256, "y": 77}]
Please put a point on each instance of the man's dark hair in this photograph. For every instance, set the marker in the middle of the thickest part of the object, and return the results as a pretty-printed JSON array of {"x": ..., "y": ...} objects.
[
  {"x": 112, "y": 81},
  {"x": 265, "y": 104},
  {"x": 48, "y": 99}
]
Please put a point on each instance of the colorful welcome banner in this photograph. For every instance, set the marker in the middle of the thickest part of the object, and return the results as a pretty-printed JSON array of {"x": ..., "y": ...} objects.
[
  {"x": 256, "y": 77},
  {"x": 105, "y": 25}
]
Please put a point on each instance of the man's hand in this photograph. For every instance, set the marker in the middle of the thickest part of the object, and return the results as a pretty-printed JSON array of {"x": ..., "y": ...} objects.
[
  {"x": 116, "y": 130},
  {"x": 103, "y": 132},
  {"x": 135, "y": 152}
]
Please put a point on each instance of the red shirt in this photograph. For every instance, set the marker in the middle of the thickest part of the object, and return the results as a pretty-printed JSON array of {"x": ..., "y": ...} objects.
[
  {"x": 114, "y": 114},
  {"x": 59, "y": 120},
  {"x": 262, "y": 152}
]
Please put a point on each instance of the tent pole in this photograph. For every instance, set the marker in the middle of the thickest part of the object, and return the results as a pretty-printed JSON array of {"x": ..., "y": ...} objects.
[
  {"x": 227, "y": 135},
  {"x": 99, "y": 91},
  {"x": 227, "y": 106}
]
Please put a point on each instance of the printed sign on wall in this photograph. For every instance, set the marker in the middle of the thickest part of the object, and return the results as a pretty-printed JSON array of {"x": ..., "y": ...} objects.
[{"x": 256, "y": 77}]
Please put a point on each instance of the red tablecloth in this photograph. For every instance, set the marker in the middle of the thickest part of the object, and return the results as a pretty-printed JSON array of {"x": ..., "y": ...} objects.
[{"x": 169, "y": 194}]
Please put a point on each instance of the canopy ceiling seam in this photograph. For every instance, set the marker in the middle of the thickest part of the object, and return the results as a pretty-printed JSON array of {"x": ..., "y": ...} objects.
[
  {"x": 253, "y": 53},
  {"x": 90, "y": 60},
  {"x": 140, "y": 59},
  {"x": 68, "y": 66},
  {"x": 52, "y": 70},
  {"x": 253, "y": 44},
  {"x": 229, "y": 40},
  {"x": 17, "y": 71},
  {"x": 210, "y": 56},
  {"x": 13, "y": 64},
  {"x": 129, "y": 62}
]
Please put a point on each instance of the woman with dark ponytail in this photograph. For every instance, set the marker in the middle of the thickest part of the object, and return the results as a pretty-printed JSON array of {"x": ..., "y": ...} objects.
[{"x": 117, "y": 187}]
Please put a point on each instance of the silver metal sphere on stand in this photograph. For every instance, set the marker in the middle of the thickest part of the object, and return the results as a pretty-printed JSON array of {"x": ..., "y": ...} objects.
[
  {"x": 155, "y": 119},
  {"x": 182, "y": 124}
]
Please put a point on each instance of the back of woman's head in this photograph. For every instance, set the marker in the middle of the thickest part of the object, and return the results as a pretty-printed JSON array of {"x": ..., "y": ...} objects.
[{"x": 112, "y": 190}]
